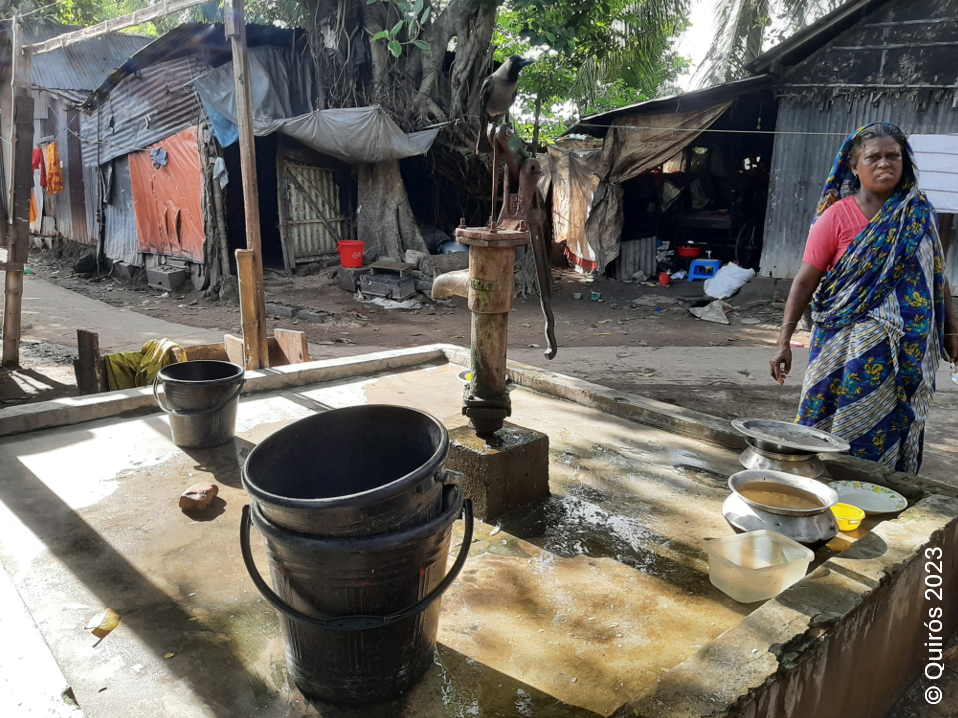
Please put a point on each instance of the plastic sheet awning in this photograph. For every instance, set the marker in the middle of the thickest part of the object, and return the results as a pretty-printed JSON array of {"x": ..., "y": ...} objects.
[{"x": 281, "y": 102}]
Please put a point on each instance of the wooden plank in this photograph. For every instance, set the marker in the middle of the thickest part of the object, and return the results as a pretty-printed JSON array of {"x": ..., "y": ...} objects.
[
  {"x": 89, "y": 366},
  {"x": 293, "y": 345},
  {"x": 11, "y": 266},
  {"x": 252, "y": 291},
  {"x": 255, "y": 354},
  {"x": 140, "y": 17},
  {"x": 211, "y": 352},
  {"x": 234, "y": 348}
]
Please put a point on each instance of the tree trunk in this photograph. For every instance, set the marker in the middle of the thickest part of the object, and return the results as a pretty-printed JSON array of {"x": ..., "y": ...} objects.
[{"x": 384, "y": 218}]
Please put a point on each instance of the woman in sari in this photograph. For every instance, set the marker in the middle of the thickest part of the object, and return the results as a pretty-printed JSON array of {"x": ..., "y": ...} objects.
[{"x": 883, "y": 313}]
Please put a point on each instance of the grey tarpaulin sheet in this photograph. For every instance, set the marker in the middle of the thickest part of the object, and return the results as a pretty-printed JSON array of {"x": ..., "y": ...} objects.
[
  {"x": 587, "y": 185},
  {"x": 282, "y": 102}
]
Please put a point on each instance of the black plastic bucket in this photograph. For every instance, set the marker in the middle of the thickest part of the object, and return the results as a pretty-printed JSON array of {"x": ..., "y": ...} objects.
[
  {"x": 201, "y": 398},
  {"x": 360, "y": 615},
  {"x": 357, "y": 471}
]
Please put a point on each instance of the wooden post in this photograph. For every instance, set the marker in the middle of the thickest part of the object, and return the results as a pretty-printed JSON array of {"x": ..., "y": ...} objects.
[
  {"x": 18, "y": 242},
  {"x": 252, "y": 292}
]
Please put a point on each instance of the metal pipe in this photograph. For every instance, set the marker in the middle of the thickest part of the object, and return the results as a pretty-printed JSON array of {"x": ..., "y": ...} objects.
[{"x": 451, "y": 284}]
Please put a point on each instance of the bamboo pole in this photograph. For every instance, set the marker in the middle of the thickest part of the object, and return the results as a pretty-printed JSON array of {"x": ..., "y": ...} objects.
[
  {"x": 252, "y": 291},
  {"x": 21, "y": 182},
  {"x": 140, "y": 17}
]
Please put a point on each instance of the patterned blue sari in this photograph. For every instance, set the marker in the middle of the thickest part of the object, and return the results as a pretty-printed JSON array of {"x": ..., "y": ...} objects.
[{"x": 879, "y": 323}]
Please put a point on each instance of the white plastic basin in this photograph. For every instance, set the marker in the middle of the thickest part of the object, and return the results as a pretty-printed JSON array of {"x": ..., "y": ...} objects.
[{"x": 757, "y": 565}]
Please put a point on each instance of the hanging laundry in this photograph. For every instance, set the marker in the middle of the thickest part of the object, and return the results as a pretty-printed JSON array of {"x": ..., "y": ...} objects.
[
  {"x": 34, "y": 210},
  {"x": 54, "y": 173},
  {"x": 38, "y": 164}
]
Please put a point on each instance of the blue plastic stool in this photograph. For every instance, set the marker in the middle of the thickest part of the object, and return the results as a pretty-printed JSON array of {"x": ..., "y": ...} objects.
[{"x": 704, "y": 268}]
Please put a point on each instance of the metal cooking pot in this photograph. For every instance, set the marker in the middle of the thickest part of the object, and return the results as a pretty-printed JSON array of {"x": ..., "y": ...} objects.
[{"x": 812, "y": 527}]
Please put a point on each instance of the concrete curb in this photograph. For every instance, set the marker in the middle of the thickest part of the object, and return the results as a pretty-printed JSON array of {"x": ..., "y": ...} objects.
[
  {"x": 77, "y": 410},
  {"x": 805, "y": 652},
  {"x": 633, "y": 407}
]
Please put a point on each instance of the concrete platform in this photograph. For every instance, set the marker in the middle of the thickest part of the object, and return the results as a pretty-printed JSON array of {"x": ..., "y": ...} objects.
[{"x": 595, "y": 601}]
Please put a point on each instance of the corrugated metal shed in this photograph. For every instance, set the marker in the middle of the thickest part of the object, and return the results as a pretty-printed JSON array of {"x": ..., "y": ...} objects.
[
  {"x": 887, "y": 67},
  {"x": 80, "y": 68},
  {"x": 156, "y": 103},
  {"x": 208, "y": 42},
  {"x": 801, "y": 162},
  {"x": 120, "y": 238}
]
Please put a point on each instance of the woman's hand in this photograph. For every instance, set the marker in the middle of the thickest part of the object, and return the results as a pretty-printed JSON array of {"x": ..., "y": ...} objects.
[
  {"x": 782, "y": 364},
  {"x": 951, "y": 348}
]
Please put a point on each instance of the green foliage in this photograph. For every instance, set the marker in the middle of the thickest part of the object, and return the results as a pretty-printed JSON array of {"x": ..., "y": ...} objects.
[
  {"x": 591, "y": 57},
  {"x": 413, "y": 17}
]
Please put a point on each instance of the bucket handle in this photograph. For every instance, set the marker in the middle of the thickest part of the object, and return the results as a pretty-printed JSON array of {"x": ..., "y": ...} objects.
[
  {"x": 352, "y": 623},
  {"x": 196, "y": 412}
]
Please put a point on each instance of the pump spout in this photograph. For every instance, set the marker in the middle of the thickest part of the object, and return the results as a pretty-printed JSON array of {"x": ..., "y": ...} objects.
[{"x": 451, "y": 284}]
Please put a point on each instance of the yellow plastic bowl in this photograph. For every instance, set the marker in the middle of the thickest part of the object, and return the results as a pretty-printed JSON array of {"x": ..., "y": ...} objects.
[{"x": 849, "y": 517}]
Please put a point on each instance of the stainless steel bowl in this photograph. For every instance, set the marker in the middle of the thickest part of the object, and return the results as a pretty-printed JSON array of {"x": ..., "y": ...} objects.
[
  {"x": 808, "y": 465},
  {"x": 784, "y": 483},
  {"x": 781, "y": 437}
]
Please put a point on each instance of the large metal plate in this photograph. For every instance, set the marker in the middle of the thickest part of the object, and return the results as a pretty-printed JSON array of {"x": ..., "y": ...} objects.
[{"x": 782, "y": 437}]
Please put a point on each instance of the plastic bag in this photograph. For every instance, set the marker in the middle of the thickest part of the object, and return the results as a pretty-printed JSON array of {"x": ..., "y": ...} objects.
[{"x": 728, "y": 280}]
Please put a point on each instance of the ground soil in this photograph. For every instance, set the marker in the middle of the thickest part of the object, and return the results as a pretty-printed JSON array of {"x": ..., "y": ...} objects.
[{"x": 624, "y": 315}]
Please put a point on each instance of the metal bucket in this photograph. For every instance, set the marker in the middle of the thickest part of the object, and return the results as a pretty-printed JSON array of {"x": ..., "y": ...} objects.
[
  {"x": 201, "y": 398},
  {"x": 360, "y": 614},
  {"x": 356, "y": 471}
]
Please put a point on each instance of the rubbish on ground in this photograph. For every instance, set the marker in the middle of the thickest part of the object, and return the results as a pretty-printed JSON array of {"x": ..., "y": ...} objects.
[
  {"x": 601, "y": 321},
  {"x": 198, "y": 496},
  {"x": 102, "y": 623},
  {"x": 596, "y": 296},
  {"x": 750, "y": 321},
  {"x": 728, "y": 280},
  {"x": 797, "y": 345},
  {"x": 169, "y": 655},
  {"x": 603, "y": 334},
  {"x": 640, "y": 277},
  {"x": 714, "y": 312},
  {"x": 681, "y": 274},
  {"x": 534, "y": 346},
  {"x": 27, "y": 270},
  {"x": 577, "y": 295},
  {"x": 389, "y": 303}
]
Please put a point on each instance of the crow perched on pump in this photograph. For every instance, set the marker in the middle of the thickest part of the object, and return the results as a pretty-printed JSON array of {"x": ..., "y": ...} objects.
[{"x": 496, "y": 97}]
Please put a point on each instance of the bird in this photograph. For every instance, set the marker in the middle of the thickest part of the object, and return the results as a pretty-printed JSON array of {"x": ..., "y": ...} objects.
[{"x": 496, "y": 96}]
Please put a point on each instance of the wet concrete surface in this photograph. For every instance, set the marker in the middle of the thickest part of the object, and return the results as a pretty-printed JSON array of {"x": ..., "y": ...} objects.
[{"x": 568, "y": 607}]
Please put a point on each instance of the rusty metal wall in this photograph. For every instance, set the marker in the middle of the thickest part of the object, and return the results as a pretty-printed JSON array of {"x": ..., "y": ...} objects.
[
  {"x": 154, "y": 104},
  {"x": 311, "y": 223},
  {"x": 801, "y": 162},
  {"x": 120, "y": 235}
]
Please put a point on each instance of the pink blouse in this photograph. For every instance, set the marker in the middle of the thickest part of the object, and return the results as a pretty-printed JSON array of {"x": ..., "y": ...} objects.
[{"x": 833, "y": 232}]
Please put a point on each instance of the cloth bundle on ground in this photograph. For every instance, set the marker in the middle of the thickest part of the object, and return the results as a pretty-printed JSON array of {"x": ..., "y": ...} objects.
[{"x": 127, "y": 370}]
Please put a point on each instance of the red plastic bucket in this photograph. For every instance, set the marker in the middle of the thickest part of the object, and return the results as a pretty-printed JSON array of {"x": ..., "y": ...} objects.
[
  {"x": 351, "y": 253},
  {"x": 664, "y": 279}
]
